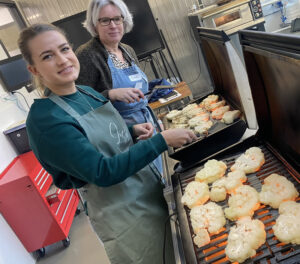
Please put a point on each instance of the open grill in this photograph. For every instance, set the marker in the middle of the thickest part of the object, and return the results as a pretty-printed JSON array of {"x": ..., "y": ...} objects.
[
  {"x": 273, "y": 251},
  {"x": 273, "y": 67}
]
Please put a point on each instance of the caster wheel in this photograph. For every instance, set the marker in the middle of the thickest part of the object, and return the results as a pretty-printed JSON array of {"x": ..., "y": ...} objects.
[
  {"x": 77, "y": 212},
  {"x": 41, "y": 252},
  {"x": 66, "y": 242}
]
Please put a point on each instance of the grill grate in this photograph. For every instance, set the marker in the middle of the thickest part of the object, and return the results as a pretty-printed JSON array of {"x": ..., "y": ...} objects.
[{"x": 273, "y": 251}]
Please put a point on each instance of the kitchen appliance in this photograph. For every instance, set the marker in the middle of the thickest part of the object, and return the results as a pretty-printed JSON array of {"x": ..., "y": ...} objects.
[
  {"x": 230, "y": 17},
  {"x": 273, "y": 67},
  {"x": 230, "y": 81}
]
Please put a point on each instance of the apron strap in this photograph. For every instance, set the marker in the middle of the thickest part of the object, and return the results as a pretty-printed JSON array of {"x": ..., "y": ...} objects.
[
  {"x": 127, "y": 53},
  {"x": 91, "y": 95},
  {"x": 60, "y": 102},
  {"x": 67, "y": 108}
]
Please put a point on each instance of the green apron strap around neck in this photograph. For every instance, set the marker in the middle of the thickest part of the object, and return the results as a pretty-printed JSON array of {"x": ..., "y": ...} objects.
[{"x": 67, "y": 108}]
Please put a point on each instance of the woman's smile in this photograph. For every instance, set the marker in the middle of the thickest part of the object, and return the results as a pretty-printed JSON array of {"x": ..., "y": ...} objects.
[
  {"x": 54, "y": 61},
  {"x": 66, "y": 70}
]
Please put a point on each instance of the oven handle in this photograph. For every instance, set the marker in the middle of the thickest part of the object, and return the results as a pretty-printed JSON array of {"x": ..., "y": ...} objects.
[{"x": 228, "y": 8}]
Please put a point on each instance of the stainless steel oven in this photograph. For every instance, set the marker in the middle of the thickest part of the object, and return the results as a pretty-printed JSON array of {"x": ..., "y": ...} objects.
[{"x": 231, "y": 17}]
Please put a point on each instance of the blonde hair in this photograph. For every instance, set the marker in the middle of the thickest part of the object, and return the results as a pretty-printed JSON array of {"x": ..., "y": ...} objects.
[
  {"x": 94, "y": 8},
  {"x": 25, "y": 36}
]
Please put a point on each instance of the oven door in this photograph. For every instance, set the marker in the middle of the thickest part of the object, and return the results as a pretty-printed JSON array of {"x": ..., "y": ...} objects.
[{"x": 229, "y": 19}]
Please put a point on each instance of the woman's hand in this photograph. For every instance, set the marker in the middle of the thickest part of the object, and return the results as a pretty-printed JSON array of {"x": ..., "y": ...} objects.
[
  {"x": 178, "y": 136},
  {"x": 127, "y": 95},
  {"x": 143, "y": 131}
]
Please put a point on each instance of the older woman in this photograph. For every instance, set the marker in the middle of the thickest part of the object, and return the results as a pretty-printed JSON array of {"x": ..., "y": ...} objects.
[{"x": 111, "y": 67}]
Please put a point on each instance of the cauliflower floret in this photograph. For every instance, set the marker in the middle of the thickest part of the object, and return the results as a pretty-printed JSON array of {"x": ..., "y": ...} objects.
[
  {"x": 277, "y": 189},
  {"x": 230, "y": 116},
  {"x": 212, "y": 171},
  {"x": 226, "y": 184},
  {"x": 196, "y": 193},
  {"x": 206, "y": 218},
  {"x": 209, "y": 216},
  {"x": 250, "y": 161},
  {"x": 219, "y": 112},
  {"x": 173, "y": 114},
  {"x": 203, "y": 127},
  {"x": 198, "y": 120},
  {"x": 180, "y": 119},
  {"x": 209, "y": 100},
  {"x": 234, "y": 180},
  {"x": 202, "y": 238},
  {"x": 188, "y": 108},
  {"x": 214, "y": 106},
  {"x": 287, "y": 228},
  {"x": 244, "y": 238},
  {"x": 243, "y": 202},
  {"x": 195, "y": 112},
  {"x": 218, "y": 191}
]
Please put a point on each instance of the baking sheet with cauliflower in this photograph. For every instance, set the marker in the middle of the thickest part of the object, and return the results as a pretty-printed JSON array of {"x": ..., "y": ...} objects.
[{"x": 202, "y": 118}]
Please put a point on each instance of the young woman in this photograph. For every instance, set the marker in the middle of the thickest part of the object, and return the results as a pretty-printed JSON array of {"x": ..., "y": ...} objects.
[{"x": 83, "y": 142}]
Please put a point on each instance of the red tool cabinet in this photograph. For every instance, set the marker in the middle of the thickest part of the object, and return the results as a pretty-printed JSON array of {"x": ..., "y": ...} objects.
[{"x": 37, "y": 217}]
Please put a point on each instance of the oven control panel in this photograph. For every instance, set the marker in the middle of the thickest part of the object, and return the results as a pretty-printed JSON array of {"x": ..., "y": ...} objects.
[{"x": 256, "y": 9}]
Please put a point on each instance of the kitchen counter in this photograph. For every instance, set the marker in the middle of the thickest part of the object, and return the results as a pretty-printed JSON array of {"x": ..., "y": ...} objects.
[{"x": 286, "y": 30}]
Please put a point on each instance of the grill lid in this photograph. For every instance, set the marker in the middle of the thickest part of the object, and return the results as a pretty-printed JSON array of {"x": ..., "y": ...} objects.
[
  {"x": 273, "y": 66},
  {"x": 227, "y": 71}
]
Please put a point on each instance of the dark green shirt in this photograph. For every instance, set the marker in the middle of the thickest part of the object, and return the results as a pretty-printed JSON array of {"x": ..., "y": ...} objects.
[{"x": 62, "y": 147}]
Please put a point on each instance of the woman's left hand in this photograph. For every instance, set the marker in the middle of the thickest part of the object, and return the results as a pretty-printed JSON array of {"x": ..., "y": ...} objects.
[{"x": 143, "y": 131}]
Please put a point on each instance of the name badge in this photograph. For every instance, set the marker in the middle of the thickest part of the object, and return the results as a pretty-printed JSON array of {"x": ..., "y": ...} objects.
[
  {"x": 138, "y": 85},
  {"x": 135, "y": 77}
]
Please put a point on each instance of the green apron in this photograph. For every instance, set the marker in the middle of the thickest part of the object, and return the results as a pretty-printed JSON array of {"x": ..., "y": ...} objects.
[{"x": 128, "y": 217}]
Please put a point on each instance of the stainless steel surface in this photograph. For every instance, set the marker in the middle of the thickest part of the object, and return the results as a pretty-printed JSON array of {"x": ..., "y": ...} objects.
[
  {"x": 242, "y": 15},
  {"x": 37, "y": 11},
  {"x": 246, "y": 25},
  {"x": 171, "y": 18},
  {"x": 169, "y": 197},
  {"x": 223, "y": 8}
]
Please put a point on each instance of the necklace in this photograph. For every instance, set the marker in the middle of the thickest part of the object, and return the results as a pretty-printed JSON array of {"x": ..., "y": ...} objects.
[{"x": 79, "y": 102}]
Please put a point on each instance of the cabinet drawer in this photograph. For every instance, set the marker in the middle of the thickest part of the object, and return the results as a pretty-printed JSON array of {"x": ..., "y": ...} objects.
[
  {"x": 42, "y": 179},
  {"x": 65, "y": 208}
]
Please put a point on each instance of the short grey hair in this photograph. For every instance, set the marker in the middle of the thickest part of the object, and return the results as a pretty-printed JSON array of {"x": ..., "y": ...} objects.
[{"x": 93, "y": 11}]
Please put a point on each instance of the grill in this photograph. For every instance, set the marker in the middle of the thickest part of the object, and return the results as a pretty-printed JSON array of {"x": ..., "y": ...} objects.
[
  {"x": 273, "y": 251},
  {"x": 273, "y": 68}
]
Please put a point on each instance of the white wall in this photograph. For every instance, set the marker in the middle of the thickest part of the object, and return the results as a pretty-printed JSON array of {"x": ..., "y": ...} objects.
[
  {"x": 12, "y": 109},
  {"x": 11, "y": 249}
]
